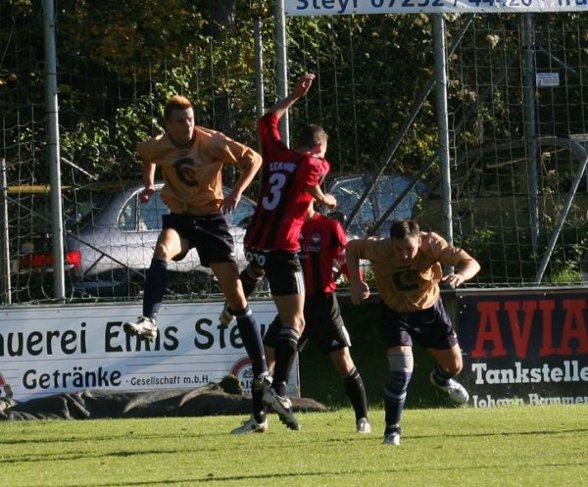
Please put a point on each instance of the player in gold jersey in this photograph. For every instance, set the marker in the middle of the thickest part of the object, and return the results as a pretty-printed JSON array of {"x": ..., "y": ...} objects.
[
  {"x": 191, "y": 159},
  {"x": 408, "y": 270}
]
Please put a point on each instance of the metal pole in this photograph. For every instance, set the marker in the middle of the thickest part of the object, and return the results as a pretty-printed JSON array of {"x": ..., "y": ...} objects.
[
  {"x": 260, "y": 102},
  {"x": 281, "y": 65},
  {"x": 442, "y": 121},
  {"x": 6, "y": 283},
  {"x": 53, "y": 149},
  {"x": 562, "y": 216},
  {"x": 531, "y": 130},
  {"x": 397, "y": 140}
]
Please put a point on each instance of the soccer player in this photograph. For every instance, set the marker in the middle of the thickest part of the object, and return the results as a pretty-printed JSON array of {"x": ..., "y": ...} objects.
[
  {"x": 191, "y": 159},
  {"x": 408, "y": 269},
  {"x": 323, "y": 252},
  {"x": 291, "y": 179}
]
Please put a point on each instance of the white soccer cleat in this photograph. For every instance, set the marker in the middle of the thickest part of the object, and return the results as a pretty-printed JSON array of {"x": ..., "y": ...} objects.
[
  {"x": 456, "y": 392},
  {"x": 143, "y": 327},
  {"x": 392, "y": 436},
  {"x": 250, "y": 426},
  {"x": 363, "y": 426}
]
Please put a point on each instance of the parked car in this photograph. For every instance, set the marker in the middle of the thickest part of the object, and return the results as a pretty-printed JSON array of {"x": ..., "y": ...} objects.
[
  {"x": 110, "y": 244},
  {"x": 349, "y": 189}
]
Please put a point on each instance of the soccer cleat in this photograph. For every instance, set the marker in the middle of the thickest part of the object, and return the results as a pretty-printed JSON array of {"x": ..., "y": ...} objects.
[
  {"x": 226, "y": 317},
  {"x": 456, "y": 392},
  {"x": 282, "y": 406},
  {"x": 263, "y": 382},
  {"x": 143, "y": 327},
  {"x": 250, "y": 426},
  {"x": 363, "y": 426},
  {"x": 392, "y": 435}
]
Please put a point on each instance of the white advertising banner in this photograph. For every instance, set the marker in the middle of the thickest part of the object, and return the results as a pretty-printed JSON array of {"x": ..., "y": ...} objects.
[
  {"x": 51, "y": 350},
  {"x": 351, "y": 7}
]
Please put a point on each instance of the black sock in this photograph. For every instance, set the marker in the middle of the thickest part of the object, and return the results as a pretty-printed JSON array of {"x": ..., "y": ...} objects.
[
  {"x": 259, "y": 410},
  {"x": 356, "y": 392},
  {"x": 251, "y": 335},
  {"x": 441, "y": 376},
  {"x": 155, "y": 281},
  {"x": 249, "y": 281},
  {"x": 395, "y": 395},
  {"x": 286, "y": 346}
]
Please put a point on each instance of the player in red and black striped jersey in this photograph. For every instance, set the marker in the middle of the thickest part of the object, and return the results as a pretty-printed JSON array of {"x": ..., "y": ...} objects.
[
  {"x": 291, "y": 179},
  {"x": 322, "y": 255}
]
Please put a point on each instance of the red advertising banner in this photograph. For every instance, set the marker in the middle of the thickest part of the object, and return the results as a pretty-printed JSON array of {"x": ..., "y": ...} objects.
[{"x": 524, "y": 347}]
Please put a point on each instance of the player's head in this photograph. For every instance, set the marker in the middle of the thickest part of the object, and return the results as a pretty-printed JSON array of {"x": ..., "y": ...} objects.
[
  {"x": 406, "y": 240},
  {"x": 338, "y": 216},
  {"x": 313, "y": 139},
  {"x": 178, "y": 116}
]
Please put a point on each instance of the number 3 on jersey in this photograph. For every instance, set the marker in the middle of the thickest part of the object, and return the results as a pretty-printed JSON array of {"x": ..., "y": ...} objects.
[{"x": 271, "y": 201}]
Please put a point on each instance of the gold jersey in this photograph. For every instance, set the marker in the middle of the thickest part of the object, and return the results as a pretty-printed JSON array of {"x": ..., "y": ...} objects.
[
  {"x": 193, "y": 175},
  {"x": 408, "y": 289}
]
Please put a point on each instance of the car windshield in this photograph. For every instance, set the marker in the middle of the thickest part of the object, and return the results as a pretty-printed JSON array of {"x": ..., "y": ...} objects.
[
  {"x": 349, "y": 190},
  {"x": 86, "y": 210}
]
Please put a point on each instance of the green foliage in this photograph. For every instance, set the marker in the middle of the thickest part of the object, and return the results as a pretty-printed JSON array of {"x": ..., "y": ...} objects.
[{"x": 507, "y": 256}]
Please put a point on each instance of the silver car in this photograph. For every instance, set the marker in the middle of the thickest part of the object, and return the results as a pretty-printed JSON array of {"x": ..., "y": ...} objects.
[{"x": 114, "y": 245}]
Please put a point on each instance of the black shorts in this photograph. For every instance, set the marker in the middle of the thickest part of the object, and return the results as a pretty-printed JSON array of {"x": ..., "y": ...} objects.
[
  {"x": 208, "y": 234},
  {"x": 430, "y": 328},
  {"x": 282, "y": 270},
  {"x": 324, "y": 325}
]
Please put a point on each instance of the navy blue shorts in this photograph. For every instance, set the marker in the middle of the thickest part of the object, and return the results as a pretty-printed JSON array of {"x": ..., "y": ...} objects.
[
  {"x": 430, "y": 328},
  {"x": 324, "y": 325},
  {"x": 208, "y": 234},
  {"x": 282, "y": 270}
]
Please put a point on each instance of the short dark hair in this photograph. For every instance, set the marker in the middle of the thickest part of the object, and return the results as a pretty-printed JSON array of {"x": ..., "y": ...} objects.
[
  {"x": 176, "y": 102},
  {"x": 311, "y": 136},
  {"x": 402, "y": 229}
]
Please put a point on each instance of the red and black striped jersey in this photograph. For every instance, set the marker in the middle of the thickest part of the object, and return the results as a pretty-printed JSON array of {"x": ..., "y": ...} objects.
[
  {"x": 323, "y": 242},
  {"x": 284, "y": 200}
]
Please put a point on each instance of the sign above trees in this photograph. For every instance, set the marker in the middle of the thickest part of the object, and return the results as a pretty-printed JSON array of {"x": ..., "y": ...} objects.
[{"x": 350, "y": 7}]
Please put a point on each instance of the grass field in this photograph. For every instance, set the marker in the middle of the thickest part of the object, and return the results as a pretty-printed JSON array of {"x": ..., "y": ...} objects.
[{"x": 535, "y": 446}]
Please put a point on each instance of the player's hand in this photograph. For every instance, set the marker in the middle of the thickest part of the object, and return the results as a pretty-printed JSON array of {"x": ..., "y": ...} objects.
[
  {"x": 453, "y": 280},
  {"x": 329, "y": 201},
  {"x": 145, "y": 195},
  {"x": 230, "y": 203},
  {"x": 360, "y": 291},
  {"x": 303, "y": 84}
]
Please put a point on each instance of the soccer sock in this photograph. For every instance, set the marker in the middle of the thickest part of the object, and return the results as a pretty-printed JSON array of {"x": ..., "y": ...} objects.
[
  {"x": 401, "y": 366},
  {"x": 155, "y": 281},
  {"x": 251, "y": 335},
  {"x": 249, "y": 280},
  {"x": 259, "y": 409},
  {"x": 441, "y": 376},
  {"x": 355, "y": 390},
  {"x": 286, "y": 345},
  {"x": 395, "y": 395}
]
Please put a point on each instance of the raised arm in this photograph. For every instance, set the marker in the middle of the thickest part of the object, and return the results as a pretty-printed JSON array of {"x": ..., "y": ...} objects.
[{"x": 300, "y": 89}]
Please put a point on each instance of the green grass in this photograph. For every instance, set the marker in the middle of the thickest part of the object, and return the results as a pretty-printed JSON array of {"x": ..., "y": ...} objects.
[{"x": 539, "y": 446}]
